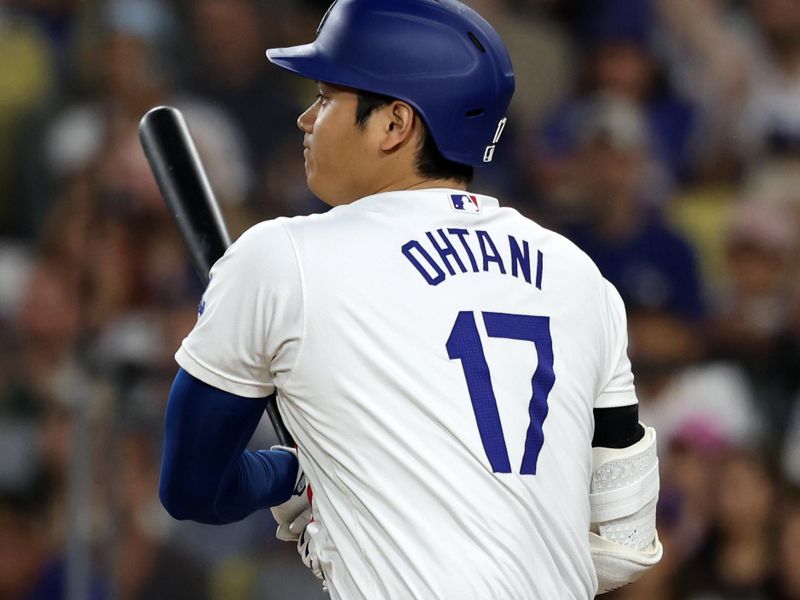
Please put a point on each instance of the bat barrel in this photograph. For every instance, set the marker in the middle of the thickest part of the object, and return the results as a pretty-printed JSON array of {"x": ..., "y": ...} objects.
[{"x": 184, "y": 185}]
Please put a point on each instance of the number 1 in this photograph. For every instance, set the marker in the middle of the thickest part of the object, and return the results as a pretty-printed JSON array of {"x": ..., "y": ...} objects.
[{"x": 464, "y": 344}]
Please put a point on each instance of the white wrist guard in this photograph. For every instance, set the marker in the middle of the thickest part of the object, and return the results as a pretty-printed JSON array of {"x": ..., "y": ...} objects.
[
  {"x": 623, "y": 496},
  {"x": 617, "y": 565}
]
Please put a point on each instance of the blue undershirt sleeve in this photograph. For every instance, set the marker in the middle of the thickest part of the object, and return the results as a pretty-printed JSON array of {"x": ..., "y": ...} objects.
[{"x": 206, "y": 473}]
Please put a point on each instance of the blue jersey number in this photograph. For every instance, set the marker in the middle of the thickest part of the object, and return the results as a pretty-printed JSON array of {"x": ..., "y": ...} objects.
[{"x": 464, "y": 344}]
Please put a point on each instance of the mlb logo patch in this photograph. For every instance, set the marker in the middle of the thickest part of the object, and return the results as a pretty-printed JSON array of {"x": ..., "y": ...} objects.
[{"x": 465, "y": 203}]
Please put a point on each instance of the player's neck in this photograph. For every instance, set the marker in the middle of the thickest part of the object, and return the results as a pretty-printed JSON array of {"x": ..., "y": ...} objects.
[{"x": 415, "y": 182}]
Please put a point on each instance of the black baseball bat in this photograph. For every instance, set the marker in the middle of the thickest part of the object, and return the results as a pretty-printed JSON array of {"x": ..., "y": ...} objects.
[{"x": 187, "y": 193}]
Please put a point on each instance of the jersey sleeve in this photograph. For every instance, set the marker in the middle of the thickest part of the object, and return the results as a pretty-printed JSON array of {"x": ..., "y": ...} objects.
[
  {"x": 250, "y": 320},
  {"x": 617, "y": 388}
]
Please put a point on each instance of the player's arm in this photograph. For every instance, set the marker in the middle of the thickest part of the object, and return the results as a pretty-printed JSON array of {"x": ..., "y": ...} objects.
[
  {"x": 624, "y": 485},
  {"x": 207, "y": 475}
]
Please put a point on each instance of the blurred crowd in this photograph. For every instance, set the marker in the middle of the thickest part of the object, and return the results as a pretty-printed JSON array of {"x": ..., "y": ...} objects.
[{"x": 661, "y": 136}]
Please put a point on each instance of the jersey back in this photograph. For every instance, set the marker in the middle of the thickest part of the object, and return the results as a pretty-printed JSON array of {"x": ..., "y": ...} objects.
[{"x": 437, "y": 358}]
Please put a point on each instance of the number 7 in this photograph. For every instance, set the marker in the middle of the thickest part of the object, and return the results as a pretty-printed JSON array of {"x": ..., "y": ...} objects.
[{"x": 464, "y": 344}]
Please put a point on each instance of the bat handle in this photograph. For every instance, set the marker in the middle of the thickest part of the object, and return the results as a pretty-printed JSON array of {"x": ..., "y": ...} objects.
[{"x": 284, "y": 437}]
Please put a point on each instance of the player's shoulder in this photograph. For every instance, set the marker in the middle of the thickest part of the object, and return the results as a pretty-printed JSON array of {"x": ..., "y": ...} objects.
[
  {"x": 264, "y": 235},
  {"x": 261, "y": 256},
  {"x": 558, "y": 247},
  {"x": 338, "y": 221},
  {"x": 264, "y": 240}
]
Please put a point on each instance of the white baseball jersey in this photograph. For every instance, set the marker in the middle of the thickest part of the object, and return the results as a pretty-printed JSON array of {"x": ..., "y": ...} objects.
[{"x": 437, "y": 360}]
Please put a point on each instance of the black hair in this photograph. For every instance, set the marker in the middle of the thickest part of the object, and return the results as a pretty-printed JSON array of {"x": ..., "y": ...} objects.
[{"x": 430, "y": 162}]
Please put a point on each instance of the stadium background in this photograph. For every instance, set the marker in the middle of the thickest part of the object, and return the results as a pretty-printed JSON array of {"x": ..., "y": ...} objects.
[{"x": 663, "y": 136}]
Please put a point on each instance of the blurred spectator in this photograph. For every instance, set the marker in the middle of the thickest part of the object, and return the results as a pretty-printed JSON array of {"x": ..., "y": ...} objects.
[
  {"x": 771, "y": 119},
  {"x": 752, "y": 315},
  {"x": 744, "y": 70},
  {"x": 619, "y": 228},
  {"x": 26, "y": 73},
  {"x": 32, "y": 566},
  {"x": 677, "y": 390},
  {"x": 739, "y": 558},
  {"x": 690, "y": 469},
  {"x": 57, "y": 21},
  {"x": 134, "y": 77},
  {"x": 149, "y": 566},
  {"x": 230, "y": 69},
  {"x": 619, "y": 60},
  {"x": 47, "y": 325}
]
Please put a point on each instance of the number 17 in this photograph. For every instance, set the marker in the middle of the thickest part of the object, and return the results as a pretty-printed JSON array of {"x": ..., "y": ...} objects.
[{"x": 464, "y": 344}]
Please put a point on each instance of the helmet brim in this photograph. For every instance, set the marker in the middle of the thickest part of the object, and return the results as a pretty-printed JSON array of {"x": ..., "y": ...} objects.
[{"x": 306, "y": 61}]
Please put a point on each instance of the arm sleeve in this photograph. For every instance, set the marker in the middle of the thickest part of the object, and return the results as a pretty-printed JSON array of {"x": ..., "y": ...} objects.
[
  {"x": 206, "y": 473},
  {"x": 250, "y": 319},
  {"x": 617, "y": 389}
]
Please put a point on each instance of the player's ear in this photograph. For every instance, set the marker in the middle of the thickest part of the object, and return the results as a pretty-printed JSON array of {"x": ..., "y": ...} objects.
[{"x": 398, "y": 125}]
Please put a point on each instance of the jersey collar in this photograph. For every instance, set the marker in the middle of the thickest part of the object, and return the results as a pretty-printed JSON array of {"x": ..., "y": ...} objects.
[{"x": 429, "y": 197}]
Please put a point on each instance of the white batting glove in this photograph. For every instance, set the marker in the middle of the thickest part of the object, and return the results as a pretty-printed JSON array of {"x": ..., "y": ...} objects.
[
  {"x": 295, "y": 514},
  {"x": 308, "y": 551}
]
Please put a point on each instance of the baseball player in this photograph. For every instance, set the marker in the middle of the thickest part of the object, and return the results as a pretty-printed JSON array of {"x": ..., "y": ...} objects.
[{"x": 455, "y": 376}]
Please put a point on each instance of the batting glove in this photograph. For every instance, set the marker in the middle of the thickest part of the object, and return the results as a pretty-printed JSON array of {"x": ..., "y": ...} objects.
[
  {"x": 308, "y": 551},
  {"x": 295, "y": 514}
]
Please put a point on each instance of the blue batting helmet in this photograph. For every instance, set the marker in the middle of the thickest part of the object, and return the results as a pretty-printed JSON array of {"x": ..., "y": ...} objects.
[{"x": 440, "y": 56}]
